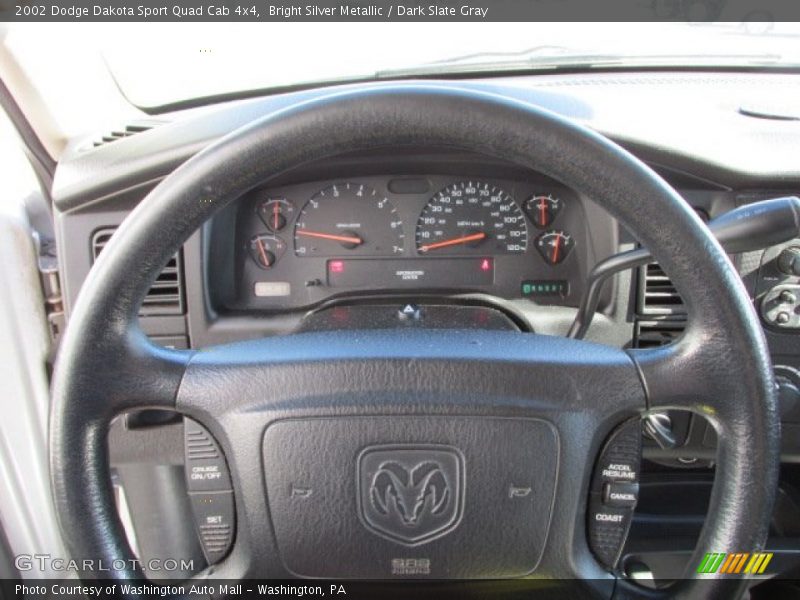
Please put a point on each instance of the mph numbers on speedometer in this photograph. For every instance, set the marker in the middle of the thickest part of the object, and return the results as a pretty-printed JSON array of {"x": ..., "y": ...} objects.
[{"x": 471, "y": 218}]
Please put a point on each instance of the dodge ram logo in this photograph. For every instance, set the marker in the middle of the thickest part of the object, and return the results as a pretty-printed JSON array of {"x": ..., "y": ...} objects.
[{"x": 410, "y": 494}]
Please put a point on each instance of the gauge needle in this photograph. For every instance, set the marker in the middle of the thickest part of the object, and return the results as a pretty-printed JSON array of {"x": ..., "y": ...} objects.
[
  {"x": 556, "y": 247},
  {"x": 455, "y": 241},
  {"x": 542, "y": 212},
  {"x": 263, "y": 252},
  {"x": 276, "y": 213},
  {"x": 347, "y": 239}
]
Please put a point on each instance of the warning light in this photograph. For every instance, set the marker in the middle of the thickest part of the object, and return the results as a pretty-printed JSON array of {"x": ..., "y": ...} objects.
[
  {"x": 336, "y": 266},
  {"x": 486, "y": 264}
]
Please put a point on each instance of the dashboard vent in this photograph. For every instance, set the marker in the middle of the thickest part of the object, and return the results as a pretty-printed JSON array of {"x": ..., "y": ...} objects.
[
  {"x": 657, "y": 294},
  {"x": 661, "y": 314},
  {"x": 166, "y": 295},
  {"x": 128, "y": 131},
  {"x": 649, "y": 334}
]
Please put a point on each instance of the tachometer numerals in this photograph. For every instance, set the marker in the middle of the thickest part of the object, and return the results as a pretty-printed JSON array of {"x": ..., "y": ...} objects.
[
  {"x": 275, "y": 213},
  {"x": 471, "y": 217},
  {"x": 266, "y": 250},
  {"x": 555, "y": 246},
  {"x": 348, "y": 218},
  {"x": 543, "y": 210}
]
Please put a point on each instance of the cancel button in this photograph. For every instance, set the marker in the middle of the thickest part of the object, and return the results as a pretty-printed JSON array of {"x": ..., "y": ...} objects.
[{"x": 624, "y": 495}]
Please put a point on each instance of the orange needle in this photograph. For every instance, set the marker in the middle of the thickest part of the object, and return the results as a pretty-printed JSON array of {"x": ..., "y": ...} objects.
[
  {"x": 347, "y": 239},
  {"x": 555, "y": 249},
  {"x": 276, "y": 214},
  {"x": 262, "y": 252},
  {"x": 459, "y": 240}
]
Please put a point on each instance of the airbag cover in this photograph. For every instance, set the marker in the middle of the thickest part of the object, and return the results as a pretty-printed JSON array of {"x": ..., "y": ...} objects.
[{"x": 410, "y": 497}]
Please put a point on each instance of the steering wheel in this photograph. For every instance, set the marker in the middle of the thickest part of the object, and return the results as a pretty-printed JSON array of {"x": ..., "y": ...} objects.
[{"x": 387, "y": 429}]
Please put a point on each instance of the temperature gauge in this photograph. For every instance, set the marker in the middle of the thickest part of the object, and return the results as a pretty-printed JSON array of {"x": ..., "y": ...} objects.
[
  {"x": 543, "y": 210},
  {"x": 266, "y": 250},
  {"x": 275, "y": 213},
  {"x": 555, "y": 246}
]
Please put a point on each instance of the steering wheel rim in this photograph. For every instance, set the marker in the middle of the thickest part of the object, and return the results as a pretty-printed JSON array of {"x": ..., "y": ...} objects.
[{"x": 106, "y": 365}]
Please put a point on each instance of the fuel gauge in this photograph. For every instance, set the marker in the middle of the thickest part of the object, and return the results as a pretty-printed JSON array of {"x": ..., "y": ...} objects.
[
  {"x": 266, "y": 250},
  {"x": 275, "y": 213},
  {"x": 543, "y": 210},
  {"x": 554, "y": 246}
]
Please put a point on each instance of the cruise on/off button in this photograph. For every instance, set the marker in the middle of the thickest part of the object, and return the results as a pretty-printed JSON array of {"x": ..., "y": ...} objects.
[{"x": 206, "y": 469}]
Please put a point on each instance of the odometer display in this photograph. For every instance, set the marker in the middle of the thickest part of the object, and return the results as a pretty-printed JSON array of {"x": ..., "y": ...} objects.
[{"x": 471, "y": 218}]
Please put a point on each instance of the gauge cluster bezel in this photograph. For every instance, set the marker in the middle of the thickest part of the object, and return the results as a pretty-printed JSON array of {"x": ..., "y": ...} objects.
[{"x": 409, "y": 193}]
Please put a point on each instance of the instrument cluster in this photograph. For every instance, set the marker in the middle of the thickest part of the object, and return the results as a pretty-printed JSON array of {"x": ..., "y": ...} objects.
[{"x": 300, "y": 245}]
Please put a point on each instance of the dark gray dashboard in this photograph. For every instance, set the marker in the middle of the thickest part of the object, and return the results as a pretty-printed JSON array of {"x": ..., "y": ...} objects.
[{"x": 686, "y": 125}]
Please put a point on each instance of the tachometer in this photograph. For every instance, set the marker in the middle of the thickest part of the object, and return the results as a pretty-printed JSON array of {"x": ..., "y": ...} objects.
[
  {"x": 348, "y": 219},
  {"x": 471, "y": 218}
]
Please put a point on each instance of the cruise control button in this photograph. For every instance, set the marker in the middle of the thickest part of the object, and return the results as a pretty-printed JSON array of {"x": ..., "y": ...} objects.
[
  {"x": 621, "y": 494},
  {"x": 619, "y": 472},
  {"x": 614, "y": 492},
  {"x": 214, "y": 517},
  {"x": 206, "y": 469},
  {"x": 621, "y": 456},
  {"x": 608, "y": 528}
]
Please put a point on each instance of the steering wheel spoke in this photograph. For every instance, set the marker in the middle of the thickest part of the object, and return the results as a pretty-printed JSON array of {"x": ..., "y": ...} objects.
[
  {"x": 136, "y": 373},
  {"x": 694, "y": 374}
]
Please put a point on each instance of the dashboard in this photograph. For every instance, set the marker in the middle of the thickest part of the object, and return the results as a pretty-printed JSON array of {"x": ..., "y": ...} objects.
[{"x": 300, "y": 245}]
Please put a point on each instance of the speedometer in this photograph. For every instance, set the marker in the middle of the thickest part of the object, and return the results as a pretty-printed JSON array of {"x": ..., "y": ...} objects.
[{"x": 472, "y": 218}]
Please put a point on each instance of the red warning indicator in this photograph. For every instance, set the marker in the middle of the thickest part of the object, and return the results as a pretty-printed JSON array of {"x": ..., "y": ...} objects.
[
  {"x": 486, "y": 264},
  {"x": 336, "y": 266}
]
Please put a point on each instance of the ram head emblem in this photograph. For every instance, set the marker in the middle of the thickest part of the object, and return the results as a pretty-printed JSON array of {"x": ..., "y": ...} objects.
[{"x": 411, "y": 494}]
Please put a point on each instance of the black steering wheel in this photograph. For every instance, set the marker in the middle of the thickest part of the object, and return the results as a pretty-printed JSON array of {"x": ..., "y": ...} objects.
[{"x": 373, "y": 422}]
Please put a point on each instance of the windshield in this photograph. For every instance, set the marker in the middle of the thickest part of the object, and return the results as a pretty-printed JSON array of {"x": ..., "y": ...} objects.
[{"x": 184, "y": 62}]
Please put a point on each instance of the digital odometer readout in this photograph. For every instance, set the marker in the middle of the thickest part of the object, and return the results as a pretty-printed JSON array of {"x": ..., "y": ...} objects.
[{"x": 414, "y": 273}]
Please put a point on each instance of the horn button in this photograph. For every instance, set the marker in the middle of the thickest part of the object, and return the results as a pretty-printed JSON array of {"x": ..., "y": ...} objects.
[{"x": 410, "y": 497}]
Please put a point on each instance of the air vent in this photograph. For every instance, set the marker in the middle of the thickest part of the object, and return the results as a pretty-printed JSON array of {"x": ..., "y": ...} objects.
[
  {"x": 650, "y": 334},
  {"x": 661, "y": 312},
  {"x": 127, "y": 131},
  {"x": 166, "y": 295},
  {"x": 657, "y": 294}
]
